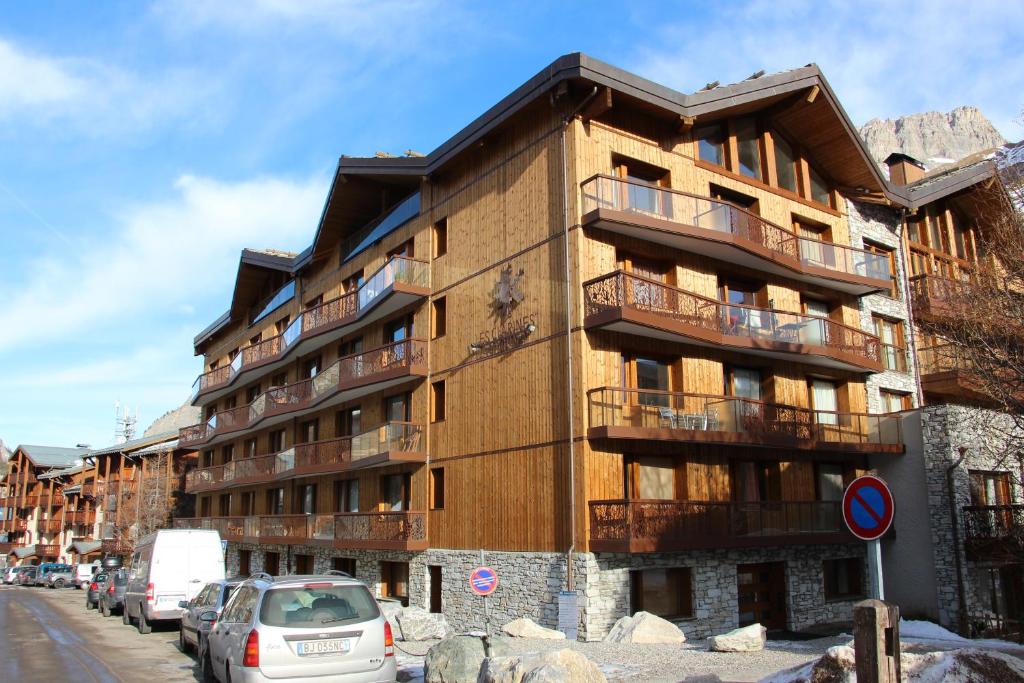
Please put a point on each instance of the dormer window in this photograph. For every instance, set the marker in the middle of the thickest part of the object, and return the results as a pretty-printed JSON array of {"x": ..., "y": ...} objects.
[{"x": 711, "y": 144}]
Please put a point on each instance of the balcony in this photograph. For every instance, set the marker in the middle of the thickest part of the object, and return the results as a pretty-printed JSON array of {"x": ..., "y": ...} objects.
[
  {"x": 931, "y": 295},
  {"x": 7, "y": 549},
  {"x": 645, "y": 526},
  {"x": 617, "y": 413},
  {"x": 994, "y": 532},
  {"x": 49, "y": 526},
  {"x": 80, "y": 517},
  {"x": 346, "y": 379},
  {"x": 391, "y": 443},
  {"x": 395, "y": 285},
  {"x": 382, "y": 530},
  {"x": 726, "y": 232},
  {"x": 44, "y": 550},
  {"x": 120, "y": 547},
  {"x": 946, "y": 372},
  {"x": 622, "y": 302}
]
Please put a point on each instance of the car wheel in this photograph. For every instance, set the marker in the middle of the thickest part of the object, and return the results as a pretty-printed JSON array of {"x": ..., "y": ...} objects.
[
  {"x": 207, "y": 667},
  {"x": 104, "y": 609},
  {"x": 59, "y": 583},
  {"x": 125, "y": 619},
  {"x": 88, "y": 603},
  {"x": 182, "y": 643},
  {"x": 144, "y": 626}
]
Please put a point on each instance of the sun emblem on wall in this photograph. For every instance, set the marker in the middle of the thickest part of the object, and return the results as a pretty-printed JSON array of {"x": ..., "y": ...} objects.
[{"x": 507, "y": 292}]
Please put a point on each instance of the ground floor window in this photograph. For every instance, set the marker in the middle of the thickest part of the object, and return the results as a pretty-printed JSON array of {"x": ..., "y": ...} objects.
[
  {"x": 344, "y": 564},
  {"x": 394, "y": 581},
  {"x": 244, "y": 558},
  {"x": 304, "y": 564},
  {"x": 1001, "y": 593},
  {"x": 843, "y": 578},
  {"x": 272, "y": 563},
  {"x": 665, "y": 592}
]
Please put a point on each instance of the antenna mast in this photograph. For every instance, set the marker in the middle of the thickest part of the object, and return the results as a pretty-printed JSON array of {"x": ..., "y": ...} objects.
[{"x": 124, "y": 423}]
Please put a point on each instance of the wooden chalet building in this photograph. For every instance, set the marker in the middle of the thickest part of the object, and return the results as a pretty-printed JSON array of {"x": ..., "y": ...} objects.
[{"x": 609, "y": 333}]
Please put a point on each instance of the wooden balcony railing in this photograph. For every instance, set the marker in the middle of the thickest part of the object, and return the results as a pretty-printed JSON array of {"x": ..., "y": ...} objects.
[
  {"x": 662, "y": 525},
  {"x": 80, "y": 517},
  {"x": 390, "y": 442},
  {"x": 616, "y": 412},
  {"x": 695, "y": 216},
  {"x": 932, "y": 295},
  {"x": 382, "y": 530},
  {"x": 994, "y": 532},
  {"x": 942, "y": 358},
  {"x": 120, "y": 547},
  {"x": 376, "y": 365},
  {"x": 621, "y": 296},
  {"x": 346, "y": 309},
  {"x": 47, "y": 550},
  {"x": 49, "y": 526}
]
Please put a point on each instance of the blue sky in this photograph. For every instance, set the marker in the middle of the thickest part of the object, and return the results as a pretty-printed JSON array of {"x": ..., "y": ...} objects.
[{"x": 143, "y": 145}]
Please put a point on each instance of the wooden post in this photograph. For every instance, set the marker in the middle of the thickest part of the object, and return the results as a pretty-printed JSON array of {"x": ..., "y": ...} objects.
[{"x": 876, "y": 641}]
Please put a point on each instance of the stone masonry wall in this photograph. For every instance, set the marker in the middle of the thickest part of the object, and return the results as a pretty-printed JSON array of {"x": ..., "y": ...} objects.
[
  {"x": 945, "y": 429},
  {"x": 880, "y": 224}
]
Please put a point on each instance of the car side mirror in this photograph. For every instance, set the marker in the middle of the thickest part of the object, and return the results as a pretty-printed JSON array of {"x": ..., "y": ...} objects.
[
  {"x": 208, "y": 616},
  {"x": 183, "y": 604}
]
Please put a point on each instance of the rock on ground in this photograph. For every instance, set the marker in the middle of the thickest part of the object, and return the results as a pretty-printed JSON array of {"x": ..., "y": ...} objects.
[
  {"x": 747, "y": 639},
  {"x": 419, "y": 624},
  {"x": 644, "y": 627},
  {"x": 524, "y": 627},
  {"x": 458, "y": 659},
  {"x": 564, "y": 666}
]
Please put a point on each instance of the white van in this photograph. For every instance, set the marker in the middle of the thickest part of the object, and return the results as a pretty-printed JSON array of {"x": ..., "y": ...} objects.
[{"x": 167, "y": 567}]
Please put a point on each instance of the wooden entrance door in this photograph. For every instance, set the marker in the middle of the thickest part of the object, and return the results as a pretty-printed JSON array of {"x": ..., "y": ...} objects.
[{"x": 762, "y": 594}]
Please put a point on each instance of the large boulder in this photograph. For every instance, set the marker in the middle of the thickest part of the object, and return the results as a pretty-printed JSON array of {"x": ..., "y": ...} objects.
[
  {"x": 524, "y": 627},
  {"x": 459, "y": 658},
  {"x": 644, "y": 627},
  {"x": 747, "y": 639},
  {"x": 419, "y": 624},
  {"x": 563, "y": 666},
  {"x": 391, "y": 609}
]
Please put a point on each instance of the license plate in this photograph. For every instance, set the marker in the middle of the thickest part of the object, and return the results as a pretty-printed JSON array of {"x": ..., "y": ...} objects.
[{"x": 313, "y": 648}]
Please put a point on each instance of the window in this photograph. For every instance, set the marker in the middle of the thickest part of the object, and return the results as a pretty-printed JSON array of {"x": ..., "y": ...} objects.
[
  {"x": 204, "y": 506},
  {"x": 271, "y": 565},
  {"x": 748, "y": 148},
  {"x": 279, "y": 380},
  {"x": 441, "y": 237},
  {"x": 251, "y": 393},
  {"x": 398, "y": 329},
  {"x": 397, "y": 408},
  {"x": 651, "y": 377},
  {"x": 344, "y": 564},
  {"x": 207, "y": 458},
  {"x": 244, "y": 559},
  {"x": 439, "y": 322},
  {"x": 249, "y": 448},
  {"x": 711, "y": 144},
  {"x": 224, "y": 505},
  {"x": 962, "y": 238},
  {"x": 651, "y": 477},
  {"x": 920, "y": 263},
  {"x": 785, "y": 164},
  {"x": 890, "y": 255},
  {"x": 395, "y": 490},
  {"x": 305, "y": 500},
  {"x": 315, "y": 301},
  {"x": 350, "y": 347},
  {"x": 353, "y": 282},
  {"x": 404, "y": 249},
  {"x": 256, "y": 339},
  {"x": 819, "y": 188},
  {"x": 248, "y": 503},
  {"x": 437, "y": 401},
  {"x": 349, "y": 421},
  {"x": 281, "y": 325},
  {"x": 214, "y": 364},
  {"x": 276, "y": 441},
  {"x": 743, "y": 382},
  {"x": 227, "y": 454},
  {"x": 756, "y": 481},
  {"x": 894, "y": 401},
  {"x": 311, "y": 367},
  {"x": 825, "y": 401},
  {"x": 232, "y": 353},
  {"x": 938, "y": 237},
  {"x": 814, "y": 247},
  {"x": 437, "y": 488},
  {"x": 724, "y": 194},
  {"x": 346, "y": 495},
  {"x": 890, "y": 334},
  {"x": 309, "y": 431},
  {"x": 230, "y": 402},
  {"x": 843, "y": 578},
  {"x": 829, "y": 481},
  {"x": 304, "y": 564},
  {"x": 275, "y": 501},
  {"x": 394, "y": 581},
  {"x": 667, "y": 593},
  {"x": 990, "y": 488}
]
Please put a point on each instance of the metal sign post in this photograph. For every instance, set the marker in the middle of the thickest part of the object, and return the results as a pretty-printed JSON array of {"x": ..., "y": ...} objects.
[
  {"x": 868, "y": 512},
  {"x": 483, "y": 581}
]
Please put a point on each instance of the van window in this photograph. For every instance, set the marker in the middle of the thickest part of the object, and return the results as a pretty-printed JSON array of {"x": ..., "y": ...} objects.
[{"x": 312, "y": 607}]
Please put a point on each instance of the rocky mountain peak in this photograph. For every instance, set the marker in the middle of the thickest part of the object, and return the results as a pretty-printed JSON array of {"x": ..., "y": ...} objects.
[{"x": 932, "y": 137}]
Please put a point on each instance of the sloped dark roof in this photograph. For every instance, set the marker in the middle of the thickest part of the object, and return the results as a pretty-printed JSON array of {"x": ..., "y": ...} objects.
[
  {"x": 136, "y": 444},
  {"x": 949, "y": 179},
  {"x": 52, "y": 456}
]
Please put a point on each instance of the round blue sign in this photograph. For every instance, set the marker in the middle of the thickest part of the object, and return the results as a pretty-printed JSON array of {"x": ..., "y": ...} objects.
[
  {"x": 483, "y": 580},
  {"x": 868, "y": 507}
]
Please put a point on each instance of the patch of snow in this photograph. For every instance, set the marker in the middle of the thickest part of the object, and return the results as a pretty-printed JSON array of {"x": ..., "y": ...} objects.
[{"x": 926, "y": 630}]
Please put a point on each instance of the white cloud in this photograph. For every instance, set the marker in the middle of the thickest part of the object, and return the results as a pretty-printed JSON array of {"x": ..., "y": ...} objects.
[
  {"x": 159, "y": 257},
  {"x": 96, "y": 98},
  {"x": 884, "y": 59}
]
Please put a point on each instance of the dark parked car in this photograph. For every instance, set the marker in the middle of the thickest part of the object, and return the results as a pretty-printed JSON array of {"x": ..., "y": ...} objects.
[
  {"x": 213, "y": 596},
  {"x": 92, "y": 595},
  {"x": 112, "y": 592},
  {"x": 27, "y": 576}
]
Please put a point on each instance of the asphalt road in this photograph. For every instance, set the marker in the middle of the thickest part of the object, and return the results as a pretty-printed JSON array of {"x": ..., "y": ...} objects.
[{"x": 48, "y": 635}]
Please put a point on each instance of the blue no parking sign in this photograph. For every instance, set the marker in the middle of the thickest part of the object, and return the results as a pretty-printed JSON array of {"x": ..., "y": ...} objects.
[
  {"x": 868, "y": 507},
  {"x": 483, "y": 580}
]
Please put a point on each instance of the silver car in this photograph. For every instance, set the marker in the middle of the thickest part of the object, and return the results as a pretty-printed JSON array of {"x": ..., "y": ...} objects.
[
  {"x": 324, "y": 628},
  {"x": 212, "y": 597}
]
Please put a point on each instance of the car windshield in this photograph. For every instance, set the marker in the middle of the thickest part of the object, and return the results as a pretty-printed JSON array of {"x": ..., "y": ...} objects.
[
  {"x": 99, "y": 578},
  {"x": 314, "y": 605}
]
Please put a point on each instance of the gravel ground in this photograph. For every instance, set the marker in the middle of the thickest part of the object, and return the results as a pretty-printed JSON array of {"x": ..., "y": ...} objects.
[{"x": 661, "y": 663}]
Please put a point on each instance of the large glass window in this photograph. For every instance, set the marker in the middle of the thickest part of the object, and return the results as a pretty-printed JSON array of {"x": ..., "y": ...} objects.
[
  {"x": 748, "y": 148},
  {"x": 785, "y": 164},
  {"x": 665, "y": 592},
  {"x": 819, "y": 188},
  {"x": 843, "y": 578},
  {"x": 825, "y": 399},
  {"x": 655, "y": 478},
  {"x": 346, "y": 495},
  {"x": 652, "y": 375},
  {"x": 830, "y": 481},
  {"x": 745, "y": 383},
  {"x": 396, "y": 408},
  {"x": 711, "y": 144}
]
